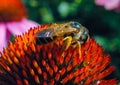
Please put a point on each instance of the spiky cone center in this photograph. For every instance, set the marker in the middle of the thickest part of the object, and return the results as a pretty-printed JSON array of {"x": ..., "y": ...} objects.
[
  {"x": 11, "y": 10},
  {"x": 26, "y": 63}
]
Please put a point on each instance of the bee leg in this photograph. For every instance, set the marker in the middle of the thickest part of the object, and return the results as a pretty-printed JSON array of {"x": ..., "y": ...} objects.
[
  {"x": 66, "y": 43},
  {"x": 77, "y": 44},
  {"x": 79, "y": 47}
]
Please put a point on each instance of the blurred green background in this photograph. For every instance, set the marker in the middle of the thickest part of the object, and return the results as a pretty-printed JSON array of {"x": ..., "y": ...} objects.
[{"x": 103, "y": 25}]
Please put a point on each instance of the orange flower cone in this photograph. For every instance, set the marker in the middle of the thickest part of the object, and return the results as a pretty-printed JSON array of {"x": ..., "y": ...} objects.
[
  {"x": 12, "y": 10},
  {"x": 13, "y": 20},
  {"x": 26, "y": 63}
]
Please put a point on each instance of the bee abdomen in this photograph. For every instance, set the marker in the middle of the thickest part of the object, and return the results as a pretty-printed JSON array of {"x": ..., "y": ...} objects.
[{"x": 44, "y": 40}]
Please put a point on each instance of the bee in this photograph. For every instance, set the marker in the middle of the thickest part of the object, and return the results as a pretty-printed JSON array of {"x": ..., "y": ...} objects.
[{"x": 73, "y": 32}]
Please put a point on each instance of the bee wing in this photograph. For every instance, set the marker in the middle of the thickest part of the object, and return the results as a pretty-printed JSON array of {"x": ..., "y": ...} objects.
[
  {"x": 45, "y": 36},
  {"x": 45, "y": 33}
]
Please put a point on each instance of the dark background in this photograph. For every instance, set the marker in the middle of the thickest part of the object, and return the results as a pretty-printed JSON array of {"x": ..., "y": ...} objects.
[{"x": 103, "y": 25}]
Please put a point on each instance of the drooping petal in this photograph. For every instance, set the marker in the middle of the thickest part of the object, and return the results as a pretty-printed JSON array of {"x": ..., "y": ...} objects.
[
  {"x": 100, "y": 2},
  {"x": 17, "y": 28},
  {"x": 14, "y": 28},
  {"x": 27, "y": 24},
  {"x": 108, "y": 4},
  {"x": 2, "y": 36},
  {"x": 111, "y": 4}
]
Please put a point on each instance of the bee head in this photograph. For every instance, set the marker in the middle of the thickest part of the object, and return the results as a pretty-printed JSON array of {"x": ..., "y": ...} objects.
[{"x": 83, "y": 34}]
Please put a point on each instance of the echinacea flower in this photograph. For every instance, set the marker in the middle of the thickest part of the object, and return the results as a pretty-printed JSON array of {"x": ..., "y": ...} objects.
[
  {"x": 26, "y": 63},
  {"x": 13, "y": 20},
  {"x": 109, "y": 4}
]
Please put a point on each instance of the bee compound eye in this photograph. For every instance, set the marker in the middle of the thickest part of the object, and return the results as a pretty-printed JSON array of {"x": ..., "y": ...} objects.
[{"x": 76, "y": 25}]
